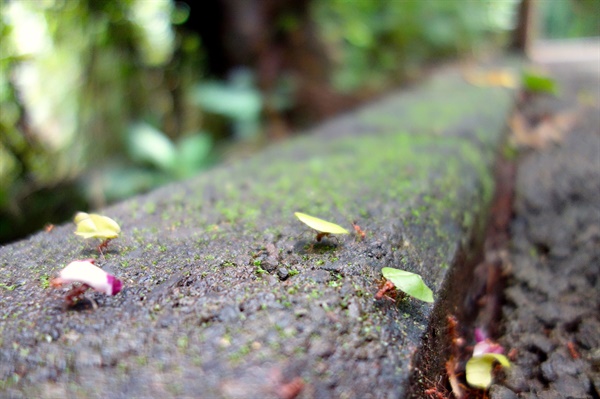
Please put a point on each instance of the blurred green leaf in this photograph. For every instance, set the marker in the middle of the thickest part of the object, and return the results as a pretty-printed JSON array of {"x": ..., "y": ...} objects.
[
  {"x": 233, "y": 102},
  {"x": 119, "y": 182},
  {"x": 180, "y": 13},
  {"x": 148, "y": 144},
  {"x": 537, "y": 83},
  {"x": 193, "y": 153}
]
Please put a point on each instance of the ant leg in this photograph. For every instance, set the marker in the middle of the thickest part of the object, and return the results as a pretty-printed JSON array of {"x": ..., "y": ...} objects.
[
  {"x": 103, "y": 244},
  {"x": 76, "y": 293}
]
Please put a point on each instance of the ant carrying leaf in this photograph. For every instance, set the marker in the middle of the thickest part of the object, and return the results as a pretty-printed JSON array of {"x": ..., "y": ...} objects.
[
  {"x": 91, "y": 225},
  {"x": 89, "y": 276},
  {"x": 486, "y": 353},
  {"x": 323, "y": 227},
  {"x": 387, "y": 290},
  {"x": 409, "y": 283}
]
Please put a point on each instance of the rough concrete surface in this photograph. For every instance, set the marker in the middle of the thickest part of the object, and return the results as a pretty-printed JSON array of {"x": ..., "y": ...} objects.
[
  {"x": 227, "y": 295},
  {"x": 551, "y": 318}
]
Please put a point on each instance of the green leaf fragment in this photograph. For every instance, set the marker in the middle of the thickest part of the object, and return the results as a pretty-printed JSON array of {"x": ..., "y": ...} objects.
[
  {"x": 537, "y": 83},
  {"x": 479, "y": 369},
  {"x": 91, "y": 225},
  {"x": 320, "y": 224},
  {"x": 193, "y": 153},
  {"x": 408, "y": 282},
  {"x": 148, "y": 144}
]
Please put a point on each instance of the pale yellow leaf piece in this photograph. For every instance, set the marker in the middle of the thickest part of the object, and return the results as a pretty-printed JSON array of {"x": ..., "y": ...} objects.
[
  {"x": 479, "y": 369},
  {"x": 91, "y": 225},
  {"x": 320, "y": 225},
  {"x": 493, "y": 78}
]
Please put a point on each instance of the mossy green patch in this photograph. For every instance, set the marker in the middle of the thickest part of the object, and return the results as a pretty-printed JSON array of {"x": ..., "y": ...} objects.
[{"x": 200, "y": 258}]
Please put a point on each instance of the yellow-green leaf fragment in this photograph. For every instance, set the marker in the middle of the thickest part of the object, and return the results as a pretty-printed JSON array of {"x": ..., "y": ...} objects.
[
  {"x": 320, "y": 224},
  {"x": 408, "y": 282},
  {"x": 479, "y": 369},
  {"x": 91, "y": 225},
  {"x": 537, "y": 83}
]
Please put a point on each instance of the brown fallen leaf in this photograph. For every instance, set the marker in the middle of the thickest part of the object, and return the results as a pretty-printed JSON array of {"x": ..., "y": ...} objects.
[{"x": 551, "y": 129}]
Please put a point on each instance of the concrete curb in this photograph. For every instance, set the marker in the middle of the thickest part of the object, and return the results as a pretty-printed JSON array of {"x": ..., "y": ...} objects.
[{"x": 227, "y": 295}]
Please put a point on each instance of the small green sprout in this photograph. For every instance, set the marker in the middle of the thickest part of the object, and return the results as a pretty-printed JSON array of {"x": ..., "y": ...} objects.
[
  {"x": 408, "y": 282},
  {"x": 91, "y": 225},
  {"x": 323, "y": 227}
]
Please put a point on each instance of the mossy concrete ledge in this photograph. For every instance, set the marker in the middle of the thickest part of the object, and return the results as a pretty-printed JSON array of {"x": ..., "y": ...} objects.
[{"x": 227, "y": 295}]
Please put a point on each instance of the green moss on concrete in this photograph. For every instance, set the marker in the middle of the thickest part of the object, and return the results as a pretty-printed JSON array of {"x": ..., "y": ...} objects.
[{"x": 413, "y": 170}]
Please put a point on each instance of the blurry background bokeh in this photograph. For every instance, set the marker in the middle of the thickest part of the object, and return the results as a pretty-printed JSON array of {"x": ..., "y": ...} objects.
[{"x": 101, "y": 100}]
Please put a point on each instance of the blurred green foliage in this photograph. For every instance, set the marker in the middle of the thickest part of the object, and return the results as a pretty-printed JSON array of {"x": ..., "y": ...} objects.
[
  {"x": 237, "y": 99},
  {"x": 563, "y": 19},
  {"x": 378, "y": 42},
  {"x": 73, "y": 76}
]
